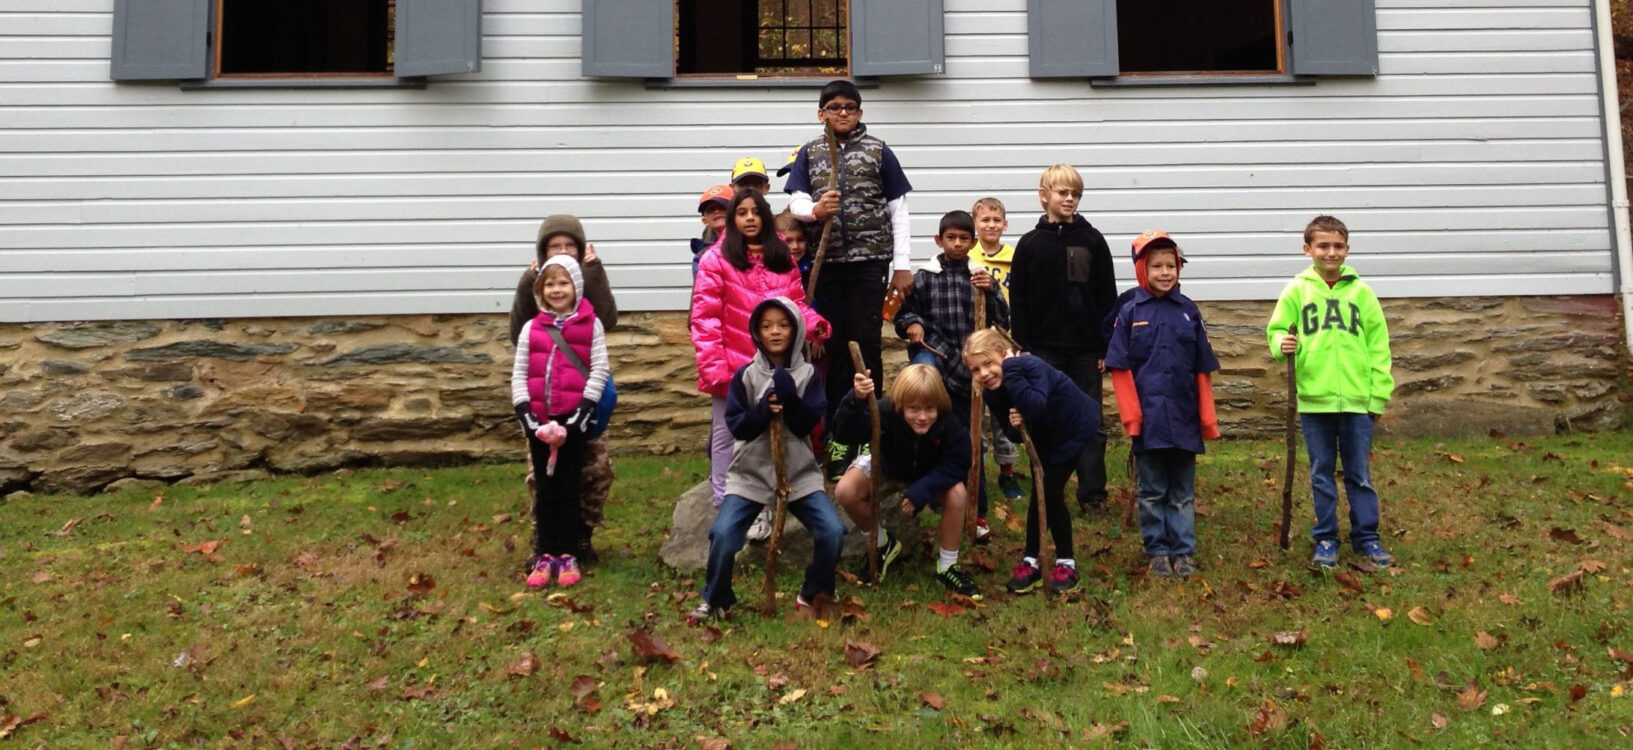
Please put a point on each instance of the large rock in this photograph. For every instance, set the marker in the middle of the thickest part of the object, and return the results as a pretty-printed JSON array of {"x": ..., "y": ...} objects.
[
  {"x": 687, "y": 548},
  {"x": 90, "y": 335},
  {"x": 387, "y": 354},
  {"x": 207, "y": 348},
  {"x": 1445, "y": 417}
]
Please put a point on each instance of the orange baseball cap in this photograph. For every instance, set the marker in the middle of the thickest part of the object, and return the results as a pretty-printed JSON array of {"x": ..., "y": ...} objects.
[
  {"x": 720, "y": 194},
  {"x": 1150, "y": 236}
]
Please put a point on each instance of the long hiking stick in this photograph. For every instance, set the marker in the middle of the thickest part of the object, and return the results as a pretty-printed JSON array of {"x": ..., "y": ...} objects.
[
  {"x": 828, "y": 223},
  {"x": 974, "y": 484},
  {"x": 1285, "y": 538},
  {"x": 780, "y": 464},
  {"x": 1046, "y": 552},
  {"x": 873, "y": 465}
]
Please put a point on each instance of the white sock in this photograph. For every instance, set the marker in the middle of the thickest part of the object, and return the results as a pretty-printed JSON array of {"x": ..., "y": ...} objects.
[
  {"x": 949, "y": 558},
  {"x": 1068, "y": 562},
  {"x": 1032, "y": 561},
  {"x": 884, "y": 536}
]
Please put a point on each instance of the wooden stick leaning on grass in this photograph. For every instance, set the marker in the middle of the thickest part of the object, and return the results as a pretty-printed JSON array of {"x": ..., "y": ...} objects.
[
  {"x": 1046, "y": 552},
  {"x": 779, "y": 464},
  {"x": 873, "y": 464},
  {"x": 974, "y": 483},
  {"x": 1285, "y": 538},
  {"x": 828, "y": 223}
]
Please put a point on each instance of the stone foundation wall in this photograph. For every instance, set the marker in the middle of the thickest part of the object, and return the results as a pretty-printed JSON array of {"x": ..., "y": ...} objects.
[{"x": 84, "y": 406}]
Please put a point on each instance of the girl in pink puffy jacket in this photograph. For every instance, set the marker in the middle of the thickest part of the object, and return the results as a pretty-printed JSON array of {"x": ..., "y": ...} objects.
[{"x": 749, "y": 265}]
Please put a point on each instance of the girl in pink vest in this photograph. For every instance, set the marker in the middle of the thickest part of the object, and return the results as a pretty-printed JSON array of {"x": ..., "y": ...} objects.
[
  {"x": 749, "y": 265},
  {"x": 560, "y": 371}
]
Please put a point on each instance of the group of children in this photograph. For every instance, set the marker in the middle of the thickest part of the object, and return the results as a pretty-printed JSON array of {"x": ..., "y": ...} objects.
[{"x": 761, "y": 346}]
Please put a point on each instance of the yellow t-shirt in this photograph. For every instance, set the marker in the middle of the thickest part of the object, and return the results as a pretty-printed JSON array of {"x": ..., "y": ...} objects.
[{"x": 997, "y": 264}]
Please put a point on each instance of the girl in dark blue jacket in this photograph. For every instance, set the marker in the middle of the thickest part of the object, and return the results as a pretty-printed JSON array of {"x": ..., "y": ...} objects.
[{"x": 1022, "y": 389}]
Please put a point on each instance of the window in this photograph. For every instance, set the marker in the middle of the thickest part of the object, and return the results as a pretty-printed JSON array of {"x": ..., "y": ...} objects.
[
  {"x": 294, "y": 40},
  {"x": 768, "y": 38},
  {"x": 721, "y": 39},
  {"x": 1177, "y": 36},
  {"x": 1136, "y": 39},
  {"x": 304, "y": 37}
]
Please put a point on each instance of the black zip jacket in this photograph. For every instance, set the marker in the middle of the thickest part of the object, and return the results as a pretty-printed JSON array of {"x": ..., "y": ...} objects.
[{"x": 1061, "y": 286}]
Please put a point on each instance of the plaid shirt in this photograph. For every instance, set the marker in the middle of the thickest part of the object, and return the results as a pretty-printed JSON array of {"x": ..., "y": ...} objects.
[{"x": 943, "y": 301}]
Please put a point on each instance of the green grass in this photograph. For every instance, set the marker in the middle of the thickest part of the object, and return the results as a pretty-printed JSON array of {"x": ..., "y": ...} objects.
[{"x": 303, "y": 631}]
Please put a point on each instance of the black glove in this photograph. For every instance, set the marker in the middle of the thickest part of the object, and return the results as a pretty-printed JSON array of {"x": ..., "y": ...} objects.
[
  {"x": 583, "y": 417},
  {"x": 782, "y": 384},
  {"x": 530, "y": 423}
]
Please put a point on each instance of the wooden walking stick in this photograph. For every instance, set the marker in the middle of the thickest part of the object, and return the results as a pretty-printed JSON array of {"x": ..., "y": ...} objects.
[
  {"x": 873, "y": 465},
  {"x": 1046, "y": 553},
  {"x": 828, "y": 223},
  {"x": 779, "y": 463},
  {"x": 974, "y": 484},
  {"x": 1292, "y": 448}
]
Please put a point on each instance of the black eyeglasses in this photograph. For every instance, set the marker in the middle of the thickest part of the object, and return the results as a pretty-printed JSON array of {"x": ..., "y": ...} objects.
[{"x": 842, "y": 109}]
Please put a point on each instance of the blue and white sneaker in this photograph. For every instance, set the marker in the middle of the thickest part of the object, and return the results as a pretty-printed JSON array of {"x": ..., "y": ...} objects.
[
  {"x": 1377, "y": 554},
  {"x": 1326, "y": 554}
]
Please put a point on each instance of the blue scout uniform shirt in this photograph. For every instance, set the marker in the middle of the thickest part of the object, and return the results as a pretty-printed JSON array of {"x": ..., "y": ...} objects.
[{"x": 1163, "y": 342}]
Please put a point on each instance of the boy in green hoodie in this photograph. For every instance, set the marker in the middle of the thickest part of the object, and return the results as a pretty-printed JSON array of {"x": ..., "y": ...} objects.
[{"x": 1332, "y": 323}]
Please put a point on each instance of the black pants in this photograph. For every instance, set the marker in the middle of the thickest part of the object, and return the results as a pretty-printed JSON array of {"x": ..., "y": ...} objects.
[
  {"x": 558, "y": 523},
  {"x": 1083, "y": 368},
  {"x": 1060, "y": 520},
  {"x": 851, "y": 296}
]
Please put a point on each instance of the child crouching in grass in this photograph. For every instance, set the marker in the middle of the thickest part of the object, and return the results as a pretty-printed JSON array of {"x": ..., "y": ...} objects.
[
  {"x": 777, "y": 380},
  {"x": 1022, "y": 389},
  {"x": 924, "y": 447}
]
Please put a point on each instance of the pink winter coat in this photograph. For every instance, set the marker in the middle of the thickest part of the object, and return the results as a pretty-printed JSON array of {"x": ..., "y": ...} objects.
[{"x": 722, "y": 300}]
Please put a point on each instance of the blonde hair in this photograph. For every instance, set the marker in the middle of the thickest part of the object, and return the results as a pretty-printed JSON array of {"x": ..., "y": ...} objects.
[
  {"x": 991, "y": 204},
  {"x": 1325, "y": 223},
  {"x": 991, "y": 341},
  {"x": 919, "y": 385},
  {"x": 1062, "y": 176},
  {"x": 786, "y": 223}
]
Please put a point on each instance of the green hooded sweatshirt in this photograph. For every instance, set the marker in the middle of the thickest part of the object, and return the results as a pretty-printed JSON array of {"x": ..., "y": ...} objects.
[{"x": 1343, "y": 343}]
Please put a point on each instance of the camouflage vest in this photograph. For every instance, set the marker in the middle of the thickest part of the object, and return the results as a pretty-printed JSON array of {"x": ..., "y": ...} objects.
[{"x": 862, "y": 229}]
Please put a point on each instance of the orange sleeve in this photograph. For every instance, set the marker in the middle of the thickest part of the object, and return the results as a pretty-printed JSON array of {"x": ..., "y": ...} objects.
[
  {"x": 1204, "y": 406},
  {"x": 1128, "y": 401}
]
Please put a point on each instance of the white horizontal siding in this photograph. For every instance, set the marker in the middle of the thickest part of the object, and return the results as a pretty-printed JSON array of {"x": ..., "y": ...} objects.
[{"x": 1479, "y": 147}]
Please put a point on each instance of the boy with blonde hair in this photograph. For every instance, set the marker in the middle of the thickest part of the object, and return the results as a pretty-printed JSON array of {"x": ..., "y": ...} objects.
[
  {"x": 1341, "y": 342},
  {"x": 996, "y": 256},
  {"x": 1061, "y": 286}
]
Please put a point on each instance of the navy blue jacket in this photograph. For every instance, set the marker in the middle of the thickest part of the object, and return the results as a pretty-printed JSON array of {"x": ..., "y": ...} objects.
[
  {"x": 929, "y": 464},
  {"x": 1059, "y": 416},
  {"x": 1163, "y": 342}
]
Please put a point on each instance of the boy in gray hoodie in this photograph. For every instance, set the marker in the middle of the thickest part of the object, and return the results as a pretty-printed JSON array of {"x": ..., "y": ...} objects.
[{"x": 777, "y": 381}]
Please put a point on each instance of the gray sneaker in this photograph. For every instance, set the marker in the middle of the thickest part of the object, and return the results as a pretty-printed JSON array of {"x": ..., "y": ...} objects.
[
  {"x": 1184, "y": 566},
  {"x": 1161, "y": 567},
  {"x": 760, "y": 530}
]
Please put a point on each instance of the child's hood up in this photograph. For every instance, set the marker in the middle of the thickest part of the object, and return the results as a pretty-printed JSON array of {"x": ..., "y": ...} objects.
[
  {"x": 1153, "y": 239},
  {"x": 573, "y": 272},
  {"x": 796, "y": 347},
  {"x": 555, "y": 224}
]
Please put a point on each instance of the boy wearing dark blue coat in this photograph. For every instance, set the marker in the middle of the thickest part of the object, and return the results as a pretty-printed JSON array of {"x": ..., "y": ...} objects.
[
  {"x": 1160, "y": 359},
  {"x": 1062, "y": 420}
]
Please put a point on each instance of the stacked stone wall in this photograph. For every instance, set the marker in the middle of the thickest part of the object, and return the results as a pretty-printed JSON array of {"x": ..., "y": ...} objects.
[{"x": 87, "y": 405}]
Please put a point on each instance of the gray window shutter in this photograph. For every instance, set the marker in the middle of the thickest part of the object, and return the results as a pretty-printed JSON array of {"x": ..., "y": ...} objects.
[
  {"x": 1072, "y": 38},
  {"x": 629, "y": 38},
  {"x": 896, "y": 37},
  {"x": 160, "y": 39},
  {"x": 438, "y": 37},
  {"x": 1334, "y": 37}
]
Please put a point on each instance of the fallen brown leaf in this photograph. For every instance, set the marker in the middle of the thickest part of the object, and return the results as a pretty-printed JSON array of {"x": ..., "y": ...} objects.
[
  {"x": 1485, "y": 641},
  {"x": 421, "y": 583},
  {"x": 1567, "y": 536},
  {"x": 1269, "y": 718},
  {"x": 1290, "y": 638},
  {"x": 1349, "y": 582},
  {"x": 933, "y": 700},
  {"x": 1472, "y": 696},
  {"x": 1098, "y": 731},
  {"x": 1569, "y": 583},
  {"x": 1420, "y": 616},
  {"x": 860, "y": 653},
  {"x": 945, "y": 609},
  {"x": 649, "y": 647},
  {"x": 524, "y": 666}
]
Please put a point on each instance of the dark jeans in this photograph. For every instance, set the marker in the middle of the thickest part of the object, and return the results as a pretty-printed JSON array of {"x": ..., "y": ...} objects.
[
  {"x": 1346, "y": 437},
  {"x": 558, "y": 521},
  {"x": 851, "y": 296},
  {"x": 961, "y": 412},
  {"x": 1060, "y": 520},
  {"x": 1167, "y": 501},
  {"x": 814, "y": 511},
  {"x": 1084, "y": 369}
]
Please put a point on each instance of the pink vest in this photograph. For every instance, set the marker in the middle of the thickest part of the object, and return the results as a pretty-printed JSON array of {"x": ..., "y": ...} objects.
[{"x": 554, "y": 386}]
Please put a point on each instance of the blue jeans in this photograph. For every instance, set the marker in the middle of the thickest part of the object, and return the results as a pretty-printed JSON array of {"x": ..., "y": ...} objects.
[
  {"x": 961, "y": 412},
  {"x": 1167, "y": 500},
  {"x": 730, "y": 528},
  {"x": 1343, "y": 437}
]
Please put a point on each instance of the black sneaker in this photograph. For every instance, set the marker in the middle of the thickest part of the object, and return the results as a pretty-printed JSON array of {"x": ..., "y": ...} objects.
[
  {"x": 958, "y": 581},
  {"x": 1161, "y": 567},
  {"x": 887, "y": 555},
  {"x": 1010, "y": 486},
  {"x": 1023, "y": 578},
  {"x": 1093, "y": 508},
  {"x": 1063, "y": 579},
  {"x": 1184, "y": 566}
]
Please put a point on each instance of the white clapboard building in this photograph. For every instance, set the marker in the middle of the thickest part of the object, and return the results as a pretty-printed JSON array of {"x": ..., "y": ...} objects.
[{"x": 169, "y": 159}]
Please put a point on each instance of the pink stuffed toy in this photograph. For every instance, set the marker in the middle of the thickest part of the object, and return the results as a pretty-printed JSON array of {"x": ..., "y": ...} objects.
[{"x": 553, "y": 435}]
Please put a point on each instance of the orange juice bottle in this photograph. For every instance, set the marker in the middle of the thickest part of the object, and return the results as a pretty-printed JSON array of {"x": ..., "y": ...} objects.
[{"x": 893, "y": 302}]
